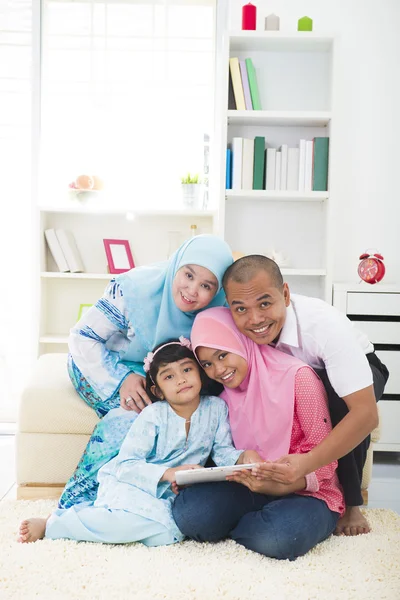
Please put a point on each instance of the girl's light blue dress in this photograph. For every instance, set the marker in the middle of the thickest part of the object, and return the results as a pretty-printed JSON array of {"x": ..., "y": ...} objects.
[
  {"x": 136, "y": 312},
  {"x": 132, "y": 504}
]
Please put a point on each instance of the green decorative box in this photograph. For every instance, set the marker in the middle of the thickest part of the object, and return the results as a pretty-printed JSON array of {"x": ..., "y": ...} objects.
[{"x": 304, "y": 24}]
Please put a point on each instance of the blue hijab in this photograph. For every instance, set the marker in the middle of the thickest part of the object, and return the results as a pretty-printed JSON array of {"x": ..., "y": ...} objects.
[{"x": 147, "y": 291}]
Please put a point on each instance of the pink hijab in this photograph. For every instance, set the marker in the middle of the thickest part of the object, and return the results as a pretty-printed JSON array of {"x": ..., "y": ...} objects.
[{"x": 261, "y": 408}]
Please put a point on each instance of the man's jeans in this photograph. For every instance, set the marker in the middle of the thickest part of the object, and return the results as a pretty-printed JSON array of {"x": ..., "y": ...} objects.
[{"x": 279, "y": 527}]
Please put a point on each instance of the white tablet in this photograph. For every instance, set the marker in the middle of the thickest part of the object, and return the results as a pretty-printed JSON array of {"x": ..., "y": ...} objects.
[{"x": 208, "y": 474}]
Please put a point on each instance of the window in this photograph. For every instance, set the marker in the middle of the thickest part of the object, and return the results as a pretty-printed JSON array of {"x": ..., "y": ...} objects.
[{"x": 127, "y": 95}]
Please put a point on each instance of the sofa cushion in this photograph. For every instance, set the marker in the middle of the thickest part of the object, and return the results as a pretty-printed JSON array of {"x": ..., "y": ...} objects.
[{"x": 49, "y": 402}]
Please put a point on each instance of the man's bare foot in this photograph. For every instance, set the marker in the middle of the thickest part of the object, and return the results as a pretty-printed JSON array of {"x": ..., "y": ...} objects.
[
  {"x": 32, "y": 530},
  {"x": 352, "y": 523}
]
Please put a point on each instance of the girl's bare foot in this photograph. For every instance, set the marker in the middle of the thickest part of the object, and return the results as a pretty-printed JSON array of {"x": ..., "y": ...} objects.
[
  {"x": 32, "y": 530},
  {"x": 353, "y": 522}
]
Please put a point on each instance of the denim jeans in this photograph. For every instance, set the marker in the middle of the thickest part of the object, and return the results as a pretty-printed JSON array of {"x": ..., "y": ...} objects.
[{"x": 279, "y": 527}]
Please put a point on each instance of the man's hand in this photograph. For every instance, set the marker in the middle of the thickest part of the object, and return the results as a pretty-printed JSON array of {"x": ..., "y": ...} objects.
[
  {"x": 132, "y": 393},
  {"x": 287, "y": 469}
]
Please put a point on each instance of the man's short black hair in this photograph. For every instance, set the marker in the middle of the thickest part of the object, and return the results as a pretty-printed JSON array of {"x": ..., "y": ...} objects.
[{"x": 244, "y": 269}]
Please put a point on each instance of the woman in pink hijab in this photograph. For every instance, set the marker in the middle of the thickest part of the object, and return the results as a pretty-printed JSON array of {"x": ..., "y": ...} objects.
[{"x": 277, "y": 405}]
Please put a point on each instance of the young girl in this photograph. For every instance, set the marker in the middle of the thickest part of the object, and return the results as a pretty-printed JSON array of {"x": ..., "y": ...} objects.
[
  {"x": 277, "y": 404},
  {"x": 134, "y": 501}
]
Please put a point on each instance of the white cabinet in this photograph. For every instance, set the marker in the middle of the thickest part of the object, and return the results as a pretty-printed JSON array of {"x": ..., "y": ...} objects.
[
  {"x": 294, "y": 75},
  {"x": 376, "y": 311}
]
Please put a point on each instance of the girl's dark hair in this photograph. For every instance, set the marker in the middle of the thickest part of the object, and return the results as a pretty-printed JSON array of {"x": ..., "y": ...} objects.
[{"x": 171, "y": 354}]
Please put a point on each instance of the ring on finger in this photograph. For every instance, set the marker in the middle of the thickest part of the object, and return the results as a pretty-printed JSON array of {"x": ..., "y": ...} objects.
[{"x": 129, "y": 399}]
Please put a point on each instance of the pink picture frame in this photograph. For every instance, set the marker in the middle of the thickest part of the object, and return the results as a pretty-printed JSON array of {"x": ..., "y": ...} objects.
[{"x": 119, "y": 255}]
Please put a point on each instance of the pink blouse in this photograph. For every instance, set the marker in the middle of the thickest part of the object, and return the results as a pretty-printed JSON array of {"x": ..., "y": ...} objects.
[{"x": 311, "y": 424}]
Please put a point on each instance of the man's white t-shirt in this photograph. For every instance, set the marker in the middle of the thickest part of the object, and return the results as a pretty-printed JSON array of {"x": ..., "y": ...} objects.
[{"x": 323, "y": 337}]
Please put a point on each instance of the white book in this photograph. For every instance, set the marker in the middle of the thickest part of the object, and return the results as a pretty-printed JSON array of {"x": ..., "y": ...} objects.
[
  {"x": 284, "y": 164},
  {"x": 270, "y": 176},
  {"x": 302, "y": 165},
  {"x": 278, "y": 158},
  {"x": 308, "y": 171},
  {"x": 237, "y": 158},
  {"x": 56, "y": 250},
  {"x": 247, "y": 164},
  {"x": 293, "y": 169},
  {"x": 70, "y": 250}
]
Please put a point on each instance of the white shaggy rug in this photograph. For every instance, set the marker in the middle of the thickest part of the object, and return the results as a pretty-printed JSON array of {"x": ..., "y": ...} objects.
[{"x": 358, "y": 568}]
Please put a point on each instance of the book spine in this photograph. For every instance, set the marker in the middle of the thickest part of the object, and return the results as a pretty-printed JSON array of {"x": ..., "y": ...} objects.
[
  {"x": 237, "y": 157},
  {"x": 278, "y": 159},
  {"x": 321, "y": 159},
  {"x": 293, "y": 169},
  {"x": 231, "y": 95},
  {"x": 228, "y": 177},
  {"x": 237, "y": 83},
  {"x": 70, "y": 250},
  {"x": 56, "y": 250},
  {"x": 270, "y": 170},
  {"x": 245, "y": 83},
  {"x": 259, "y": 163},
  {"x": 247, "y": 164},
  {"x": 251, "y": 73},
  {"x": 284, "y": 166},
  {"x": 302, "y": 165},
  {"x": 308, "y": 173}
]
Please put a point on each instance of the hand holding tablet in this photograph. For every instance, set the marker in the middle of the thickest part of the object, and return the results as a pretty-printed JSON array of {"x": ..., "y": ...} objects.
[{"x": 205, "y": 475}]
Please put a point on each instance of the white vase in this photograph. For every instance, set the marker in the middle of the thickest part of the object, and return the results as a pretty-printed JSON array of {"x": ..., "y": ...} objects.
[{"x": 191, "y": 195}]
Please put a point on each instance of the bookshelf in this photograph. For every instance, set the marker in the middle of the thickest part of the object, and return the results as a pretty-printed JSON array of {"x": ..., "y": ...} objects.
[
  {"x": 152, "y": 233},
  {"x": 295, "y": 81}
]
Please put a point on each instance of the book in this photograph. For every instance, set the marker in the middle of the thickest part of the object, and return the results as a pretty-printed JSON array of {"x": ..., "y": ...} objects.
[
  {"x": 251, "y": 73},
  {"x": 237, "y": 158},
  {"x": 308, "y": 172},
  {"x": 237, "y": 83},
  {"x": 231, "y": 95},
  {"x": 320, "y": 164},
  {"x": 259, "y": 163},
  {"x": 56, "y": 250},
  {"x": 270, "y": 169},
  {"x": 228, "y": 174},
  {"x": 302, "y": 165},
  {"x": 70, "y": 250},
  {"x": 245, "y": 84},
  {"x": 284, "y": 165},
  {"x": 247, "y": 164},
  {"x": 293, "y": 169},
  {"x": 278, "y": 158}
]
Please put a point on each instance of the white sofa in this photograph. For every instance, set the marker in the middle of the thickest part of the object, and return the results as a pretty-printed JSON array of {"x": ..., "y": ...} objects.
[{"x": 54, "y": 427}]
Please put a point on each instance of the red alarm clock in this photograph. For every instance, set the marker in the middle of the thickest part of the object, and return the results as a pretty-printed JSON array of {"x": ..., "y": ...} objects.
[{"x": 371, "y": 268}]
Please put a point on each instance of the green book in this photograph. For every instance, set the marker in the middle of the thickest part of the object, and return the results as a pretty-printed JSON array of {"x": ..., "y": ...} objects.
[
  {"x": 259, "y": 163},
  {"x": 251, "y": 74},
  {"x": 320, "y": 164}
]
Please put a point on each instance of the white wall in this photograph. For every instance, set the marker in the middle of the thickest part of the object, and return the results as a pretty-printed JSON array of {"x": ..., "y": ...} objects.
[{"x": 366, "y": 154}]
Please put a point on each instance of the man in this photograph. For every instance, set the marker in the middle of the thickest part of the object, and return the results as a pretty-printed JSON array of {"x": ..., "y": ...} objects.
[{"x": 343, "y": 357}]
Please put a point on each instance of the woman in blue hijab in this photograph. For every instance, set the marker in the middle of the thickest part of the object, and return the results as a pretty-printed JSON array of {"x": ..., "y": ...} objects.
[{"x": 139, "y": 309}]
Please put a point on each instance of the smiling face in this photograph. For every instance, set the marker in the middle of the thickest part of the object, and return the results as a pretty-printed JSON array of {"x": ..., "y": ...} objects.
[
  {"x": 225, "y": 367},
  {"x": 179, "y": 382},
  {"x": 258, "y": 307},
  {"x": 193, "y": 288}
]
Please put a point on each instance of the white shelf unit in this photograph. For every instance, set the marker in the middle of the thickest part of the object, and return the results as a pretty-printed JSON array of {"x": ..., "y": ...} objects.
[
  {"x": 152, "y": 234},
  {"x": 294, "y": 75}
]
